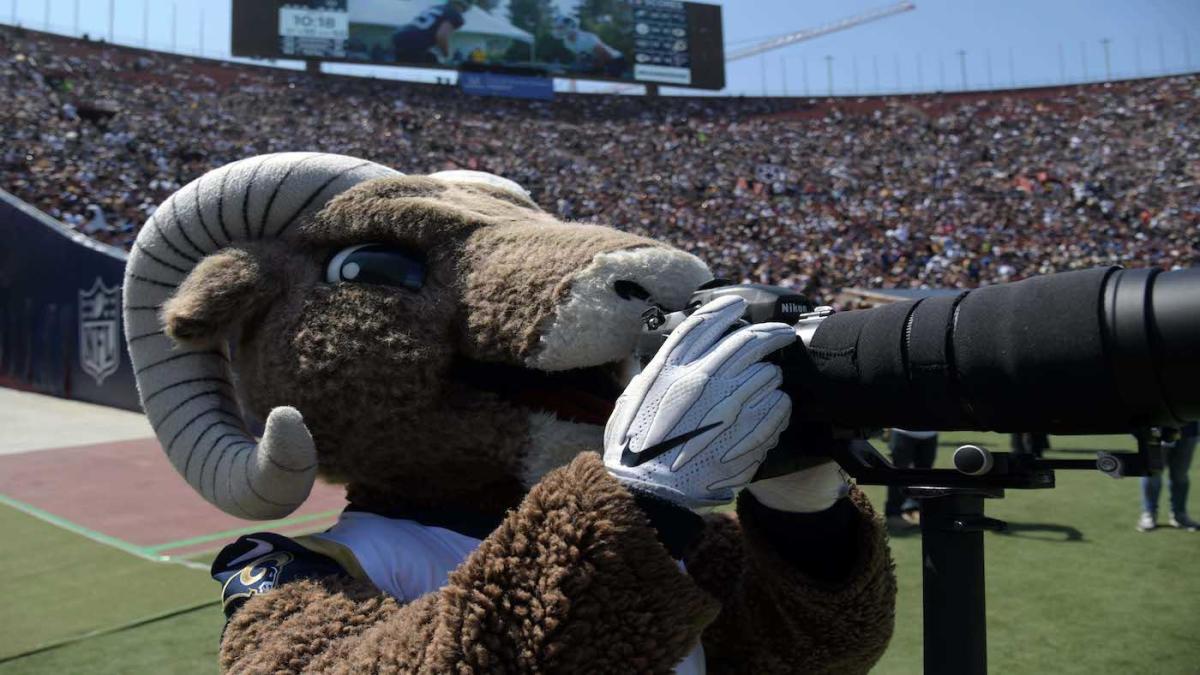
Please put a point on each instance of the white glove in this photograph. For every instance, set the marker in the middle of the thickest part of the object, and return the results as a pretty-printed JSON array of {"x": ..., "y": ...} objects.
[
  {"x": 693, "y": 426},
  {"x": 809, "y": 491}
]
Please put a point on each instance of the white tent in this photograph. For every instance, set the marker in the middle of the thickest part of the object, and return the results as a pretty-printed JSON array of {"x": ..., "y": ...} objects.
[
  {"x": 487, "y": 32},
  {"x": 480, "y": 28},
  {"x": 481, "y": 22}
]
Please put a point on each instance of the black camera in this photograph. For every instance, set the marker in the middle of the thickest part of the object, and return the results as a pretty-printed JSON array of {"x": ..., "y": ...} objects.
[
  {"x": 1103, "y": 350},
  {"x": 1094, "y": 351}
]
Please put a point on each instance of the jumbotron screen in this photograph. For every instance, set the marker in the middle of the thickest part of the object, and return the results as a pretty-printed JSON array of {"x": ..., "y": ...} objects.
[{"x": 647, "y": 41}]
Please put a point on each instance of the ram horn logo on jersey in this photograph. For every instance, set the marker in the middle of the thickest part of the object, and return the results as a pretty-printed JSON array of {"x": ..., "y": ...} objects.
[
  {"x": 99, "y": 335},
  {"x": 259, "y": 576}
]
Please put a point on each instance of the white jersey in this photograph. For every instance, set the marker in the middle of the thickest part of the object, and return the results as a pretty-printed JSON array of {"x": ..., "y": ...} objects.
[
  {"x": 583, "y": 42},
  {"x": 403, "y": 558},
  {"x": 406, "y": 559}
]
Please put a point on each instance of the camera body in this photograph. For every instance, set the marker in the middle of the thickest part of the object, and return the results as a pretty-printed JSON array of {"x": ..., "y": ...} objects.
[
  {"x": 806, "y": 441},
  {"x": 763, "y": 304}
]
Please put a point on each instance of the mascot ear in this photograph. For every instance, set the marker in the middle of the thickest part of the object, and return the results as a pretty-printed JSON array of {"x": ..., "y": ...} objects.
[
  {"x": 218, "y": 294},
  {"x": 484, "y": 178}
]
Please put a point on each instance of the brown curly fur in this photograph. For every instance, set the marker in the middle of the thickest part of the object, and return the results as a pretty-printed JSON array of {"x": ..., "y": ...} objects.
[
  {"x": 302, "y": 621},
  {"x": 776, "y": 620},
  {"x": 574, "y": 580},
  {"x": 381, "y": 398}
]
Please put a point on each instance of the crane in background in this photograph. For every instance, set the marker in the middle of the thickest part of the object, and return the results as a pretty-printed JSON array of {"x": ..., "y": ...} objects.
[{"x": 780, "y": 41}]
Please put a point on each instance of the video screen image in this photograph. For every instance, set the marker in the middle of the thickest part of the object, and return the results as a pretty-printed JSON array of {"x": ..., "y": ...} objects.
[{"x": 636, "y": 40}]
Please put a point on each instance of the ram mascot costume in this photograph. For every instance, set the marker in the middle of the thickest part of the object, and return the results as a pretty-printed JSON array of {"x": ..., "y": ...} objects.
[{"x": 522, "y": 497}]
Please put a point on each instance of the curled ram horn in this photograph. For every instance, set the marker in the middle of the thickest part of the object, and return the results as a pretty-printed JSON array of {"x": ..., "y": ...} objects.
[{"x": 187, "y": 392}]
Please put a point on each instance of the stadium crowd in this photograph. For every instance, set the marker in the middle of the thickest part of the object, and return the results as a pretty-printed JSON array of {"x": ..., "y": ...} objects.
[{"x": 818, "y": 194}]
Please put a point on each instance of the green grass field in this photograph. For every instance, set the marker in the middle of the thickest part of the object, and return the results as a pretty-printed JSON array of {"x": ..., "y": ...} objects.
[{"x": 1072, "y": 589}]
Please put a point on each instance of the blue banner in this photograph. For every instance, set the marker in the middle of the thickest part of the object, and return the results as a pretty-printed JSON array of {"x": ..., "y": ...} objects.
[
  {"x": 506, "y": 86},
  {"x": 60, "y": 310}
]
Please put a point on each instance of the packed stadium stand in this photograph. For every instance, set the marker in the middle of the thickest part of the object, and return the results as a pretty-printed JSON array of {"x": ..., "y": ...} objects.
[{"x": 820, "y": 194}]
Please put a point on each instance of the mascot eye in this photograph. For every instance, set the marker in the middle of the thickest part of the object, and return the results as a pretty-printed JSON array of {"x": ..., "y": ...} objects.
[{"x": 378, "y": 264}]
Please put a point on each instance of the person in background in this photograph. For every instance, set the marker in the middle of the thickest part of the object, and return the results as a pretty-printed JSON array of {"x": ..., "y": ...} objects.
[
  {"x": 426, "y": 39},
  {"x": 910, "y": 450},
  {"x": 592, "y": 55},
  {"x": 1177, "y": 460},
  {"x": 1034, "y": 444}
]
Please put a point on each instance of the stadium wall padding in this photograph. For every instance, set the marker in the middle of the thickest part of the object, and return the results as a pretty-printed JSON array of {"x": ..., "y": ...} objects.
[{"x": 61, "y": 330}]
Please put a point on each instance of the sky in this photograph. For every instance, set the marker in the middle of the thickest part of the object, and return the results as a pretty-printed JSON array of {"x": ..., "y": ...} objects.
[{"x": 941, "y": 45}]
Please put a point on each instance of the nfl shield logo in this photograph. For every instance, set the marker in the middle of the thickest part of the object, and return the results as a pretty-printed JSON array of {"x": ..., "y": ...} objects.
[{"x": 99, "y": 346}]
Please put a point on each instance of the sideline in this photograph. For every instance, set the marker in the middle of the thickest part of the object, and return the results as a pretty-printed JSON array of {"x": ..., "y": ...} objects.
[
  {"x": 99, "y": 537},
  {"x": 155, "y": 553}
]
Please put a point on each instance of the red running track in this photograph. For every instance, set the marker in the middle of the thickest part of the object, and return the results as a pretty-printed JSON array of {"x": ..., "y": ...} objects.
[{"x": 128, "y": 491}]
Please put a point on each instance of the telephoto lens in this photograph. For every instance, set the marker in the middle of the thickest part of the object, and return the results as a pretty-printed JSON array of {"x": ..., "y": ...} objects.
[{"x": 1103, "y": 350}]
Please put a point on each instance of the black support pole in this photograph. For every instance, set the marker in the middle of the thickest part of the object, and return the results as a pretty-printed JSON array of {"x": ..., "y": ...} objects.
[{"x": 952, "y": 525}]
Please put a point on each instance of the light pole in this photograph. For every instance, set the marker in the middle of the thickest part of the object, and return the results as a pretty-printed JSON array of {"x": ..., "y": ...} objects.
[
  {"x": 962, "y": 65},
  {"x": 1107, "y": 64},
  {"x": 829, "y": 72},
  {"x": 762, "y": 62}
]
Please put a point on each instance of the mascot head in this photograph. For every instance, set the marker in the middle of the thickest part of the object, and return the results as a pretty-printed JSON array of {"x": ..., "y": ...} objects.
[{"x": 426, "y": 340}]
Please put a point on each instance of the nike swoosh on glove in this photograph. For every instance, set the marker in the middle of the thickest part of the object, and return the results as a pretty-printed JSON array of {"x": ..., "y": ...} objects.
[{"x": 694, "y": 426}]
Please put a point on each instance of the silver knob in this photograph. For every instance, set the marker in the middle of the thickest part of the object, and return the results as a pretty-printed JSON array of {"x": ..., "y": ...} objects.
[{"x": 972, "y": 460}]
